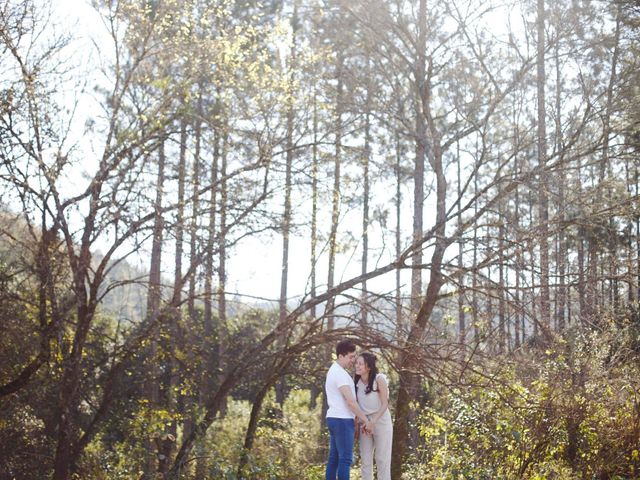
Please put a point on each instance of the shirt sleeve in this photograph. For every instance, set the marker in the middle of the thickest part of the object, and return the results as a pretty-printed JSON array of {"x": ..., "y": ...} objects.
[
  {"x": 383, "y": 377},
  {"x": 344, "y": 379}
]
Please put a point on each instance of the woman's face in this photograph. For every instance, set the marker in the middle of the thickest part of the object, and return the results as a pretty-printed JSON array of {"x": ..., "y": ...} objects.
[{"x": 361, "y": 367}]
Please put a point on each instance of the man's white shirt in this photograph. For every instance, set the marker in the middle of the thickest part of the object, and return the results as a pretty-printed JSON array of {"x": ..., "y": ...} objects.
[{"x": 336, "y": 378}]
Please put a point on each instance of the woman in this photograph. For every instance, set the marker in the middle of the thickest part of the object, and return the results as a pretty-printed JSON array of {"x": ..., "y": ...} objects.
[{"x": 372, "y": 393}]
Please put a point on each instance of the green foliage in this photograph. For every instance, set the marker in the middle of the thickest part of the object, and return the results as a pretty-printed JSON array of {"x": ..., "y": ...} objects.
[
  {"x": 284, "y": 446},
  {"x": 121, "y": 461},
  {"x": 290, "y": 439},
  {"x": 22, "y": 438},
  {"x": 570, "y": 411}
]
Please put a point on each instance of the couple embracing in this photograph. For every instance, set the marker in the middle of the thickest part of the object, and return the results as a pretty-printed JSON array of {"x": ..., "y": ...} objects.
[{"x": 358, "y": 408}]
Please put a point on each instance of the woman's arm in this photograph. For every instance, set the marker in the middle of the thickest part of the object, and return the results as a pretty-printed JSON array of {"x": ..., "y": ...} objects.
[
  {"x": 353, "y": 405},
  {"x": 383, "y": 391}
]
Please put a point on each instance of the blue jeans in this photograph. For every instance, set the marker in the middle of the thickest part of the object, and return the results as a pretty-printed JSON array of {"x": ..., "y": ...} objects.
[{"x": 341, "y": 433}]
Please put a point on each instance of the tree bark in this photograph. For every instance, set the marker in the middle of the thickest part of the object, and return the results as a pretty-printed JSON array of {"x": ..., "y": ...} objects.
[
  {"x": 420, "y": 98},
  {"x": 398, "y": 233},
  {"x": 519, "y": 317},
  {"x": 502, "y": 314},
  {"x": 222, "y": 268},
  {"x": 278, "y": 369},
  {"x": 561, "y": 260},
  {"x": 314, "y": 201},
  {"x": 175, "y": 340},
  {"x": 336, "y": 196},
  {"x": 603, "y": 171},
  {"x": 315, "y": 388},
  {"x": 474, "y": 278},
  {"x": 543, "y": 188},
  {"x": 154, "y": 296},
  {"x": 366, "y": 158},
  {"x": 209, "y": 341},
  {"x": 409, "y": 382},
  {"x": 462, "y": 327},
  {"x": 192, "y": 320},
  {"x": 286, "y": 215}
]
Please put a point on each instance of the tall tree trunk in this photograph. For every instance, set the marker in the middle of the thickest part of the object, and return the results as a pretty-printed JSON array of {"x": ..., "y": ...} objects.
[
  {"x": 222, "y": 266},
  {"x": 153, "y": 306},
  {"x": 174, "y": 341},
  {"x": 408, "y": 363},
  {"x": 603, "y": 170},
  {"x": 209, "y": 341},
  {"x": 532, "y": 266},
  {"x": 336, "y": 196},
  {"x": 474, "y": 279},
  {"x": 85, "y": 292},
  {"x": 315, "y": 388},
  {"x": 333, "y": 233},
  {"x": 582, "y": 289},
  {"x": 518, "y": 322},
  {"x": 409, "y": 382},
  {"x": 366, "y": 158},
  {"x": 314, "y": 201},
  {"x": 64, "y": 460},
  {"x": 632, "y": 178},
  {"x": 286, "y": 216},
  {"x": 637, "y": 178},
  {"x": 66, "y": 454},
  {"x": 543, "y": 200},
  {"x": 502, "y": 316},
  {"x": 421, "y": 152},
  {"x": 612, "y": 235},
  {"x": 561, "y": 260},
  {"x": 398, "y": 232},
  {"x": 489, "y": 307},
  {"x": 462, "y": 327},
  {"x": 629, "y": 245},
  {"x": 193, "y": 320},
  {"x": 182, "y": 167}
]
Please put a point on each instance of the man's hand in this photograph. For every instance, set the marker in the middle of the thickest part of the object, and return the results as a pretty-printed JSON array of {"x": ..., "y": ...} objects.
[{"x": 353, "y": 405}]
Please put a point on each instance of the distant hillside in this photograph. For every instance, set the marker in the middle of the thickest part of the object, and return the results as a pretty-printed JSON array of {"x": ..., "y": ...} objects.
[{"x": 127, "y": 302}]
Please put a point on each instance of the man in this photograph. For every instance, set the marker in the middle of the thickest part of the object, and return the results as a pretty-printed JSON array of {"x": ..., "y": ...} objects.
[{"x": 343, "y": 408}]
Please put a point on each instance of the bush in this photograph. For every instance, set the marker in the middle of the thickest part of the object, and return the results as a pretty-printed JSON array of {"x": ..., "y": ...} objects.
[{"x": 569, "y": 411}]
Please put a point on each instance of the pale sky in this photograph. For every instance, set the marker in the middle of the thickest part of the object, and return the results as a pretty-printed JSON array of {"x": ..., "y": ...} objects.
[{"x": 254, "y": 265}]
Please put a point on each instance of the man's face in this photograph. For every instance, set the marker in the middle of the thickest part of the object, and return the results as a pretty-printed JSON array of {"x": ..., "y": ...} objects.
[{"x": 346, "y": 361}]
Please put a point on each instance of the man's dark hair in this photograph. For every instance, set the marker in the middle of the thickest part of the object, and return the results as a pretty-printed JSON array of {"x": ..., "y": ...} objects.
[{"x": 345, "y": 346}]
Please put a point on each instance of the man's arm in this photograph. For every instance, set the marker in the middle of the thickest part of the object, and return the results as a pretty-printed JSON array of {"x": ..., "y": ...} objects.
[{"x": 353, "y": 405}]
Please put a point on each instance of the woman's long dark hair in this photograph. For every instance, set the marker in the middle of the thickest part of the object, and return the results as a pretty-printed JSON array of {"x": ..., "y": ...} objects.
[{"x": 370, "y": 361}]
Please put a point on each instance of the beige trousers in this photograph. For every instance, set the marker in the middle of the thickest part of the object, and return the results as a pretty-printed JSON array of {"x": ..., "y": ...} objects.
[{"x": 377, "y": 446}]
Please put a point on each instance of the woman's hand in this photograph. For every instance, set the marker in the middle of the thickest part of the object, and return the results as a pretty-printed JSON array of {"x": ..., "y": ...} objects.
[{"x": 368, "y": 430}]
